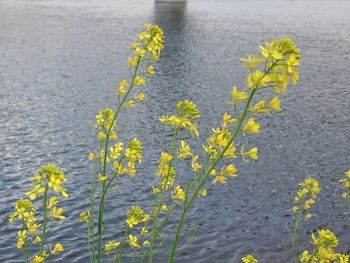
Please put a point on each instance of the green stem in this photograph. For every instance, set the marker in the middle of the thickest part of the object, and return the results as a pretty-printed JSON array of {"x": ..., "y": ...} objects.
[
  {"x": 205, "y": 177},
  {"x": 155, "y": 231},
  {"x": 122, "y": 245},
  {"x": 101, "y": 206},
  {"x": 295, "y": 233},
  {"x": 44, "y": 221}
]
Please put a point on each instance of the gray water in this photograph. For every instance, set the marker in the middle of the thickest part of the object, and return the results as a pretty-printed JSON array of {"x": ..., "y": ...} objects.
[{"x": 60, "y": 62}]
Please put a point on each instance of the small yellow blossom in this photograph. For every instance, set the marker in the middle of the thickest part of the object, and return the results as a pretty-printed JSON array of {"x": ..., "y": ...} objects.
[
  {"x": 110, "y": 246},
  {"x": 227, "y": 120},
  {"x": 133, "y": 242},
  {"x": 139, "y": 97},
  {"x": 202, "y": 193},
  {"x": 85, "y": 217},
  {"x": 56, "y": 213},
  {"x": 122, "y": 87},
  {"x": 238, "y": 96},
  {"x": 130, "y": 104},
  {"x": 178, "y": 194},
  {"x": 195, "y": 164},
  {"x": 252, "y": 153},
  {"x": 185, "y": 150},
  {"x": 274, "y": 104},
  {"x": 58, "y": 248},
  {"x": 91, "y": 156},
  {"x": 251, "y": 127},
  {"x": 37, "y": 240},
  {"x": 258, "y": 79},
  {"x": 101, "y": 178}
]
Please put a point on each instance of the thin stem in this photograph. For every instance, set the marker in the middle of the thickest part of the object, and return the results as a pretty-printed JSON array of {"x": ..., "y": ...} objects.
[
  {"x": 154, "y": 233},
  {"x": 44, "y": 220},
  {"x": 101, "y": 207},
  {"x": 122, "y": 245},
  {"x": 295, "y": 233}
]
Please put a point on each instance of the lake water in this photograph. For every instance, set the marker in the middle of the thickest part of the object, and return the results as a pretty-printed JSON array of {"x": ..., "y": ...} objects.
[{"x": 60, "y": 62}]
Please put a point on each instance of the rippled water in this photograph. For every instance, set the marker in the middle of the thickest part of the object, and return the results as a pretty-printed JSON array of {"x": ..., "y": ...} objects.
[{"x": 59, "y": 62}]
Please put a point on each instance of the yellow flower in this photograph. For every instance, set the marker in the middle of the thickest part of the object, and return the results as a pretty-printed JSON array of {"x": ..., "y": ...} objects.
[
  {"x": 258, "y": 79},
  {"x": 110, "y": 246},
  {"x": 144, "y": 231},
  {"x": 145, "y": 243},
  {"x": 202, "y": 193},
  {"x": 185, "y": 150},
  {"x": 260, "y": 107},
  {"x": 252, "y": 153},
  {"x": 139, "y": 97},
  {"x": 164, "y": 208},
  {"x": 130, "y": 104},
  {"x": 116, "y": 150},
  {"x": 39, "y": 258},
  {"x": 56, "y": 213},
  {"x": 52, "y": 202},
  {"x": 122, "y": 87},
  {"x": 133, "y": 242},
  {"x": 238, "y": 96},
  {"x": 195, "y": 164},
  {"x": 251, "y": 127},
  {"x": 139, "y": 81},
  {"x": 101, "y": 178},
  {"x": 91, "y": 156},
  {"x": 101, "y": 136},
  {"x": 274, "y": 104},
  {"x": 37, "y": 240},
  {"x": 178, "y": 194},
  {"x": 57, "y": 249},
  {"x": 136, "y": 216},
  {"x": 33, "y": 228},
  {"x": 227, "y": 120},
  {"x": 85, "y": 217},
  {"x": 226, "y": 171},
  {"x": 251, "y": 62},
  {"x": 150, "y": 70},
  {"x": 249, "y": 259}
]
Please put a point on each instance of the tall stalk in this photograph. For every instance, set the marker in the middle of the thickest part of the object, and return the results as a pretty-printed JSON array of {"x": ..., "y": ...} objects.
[
  {"x": 106, "y": 143},
  {"x": 42, "y": 244},
  {"x": 154, "y": 232},
  {"x": 205, "y": 177}
]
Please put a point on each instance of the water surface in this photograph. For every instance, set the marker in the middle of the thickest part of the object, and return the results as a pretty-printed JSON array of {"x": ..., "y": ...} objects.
[{"x": 59, "y": 64}]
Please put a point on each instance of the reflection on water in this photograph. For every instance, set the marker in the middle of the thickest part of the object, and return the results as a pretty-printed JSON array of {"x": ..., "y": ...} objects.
[{"x": 60, "y": 61}]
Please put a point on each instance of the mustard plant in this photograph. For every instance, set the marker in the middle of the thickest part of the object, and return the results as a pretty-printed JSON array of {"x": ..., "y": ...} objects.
[
  {"x": 303, "y": 201},
  {"x": 114, "y": 158},
  {"x": 48, "y": 188},
  {"x": 346, "y": 186},
  {"x": 324, "y": 244}
]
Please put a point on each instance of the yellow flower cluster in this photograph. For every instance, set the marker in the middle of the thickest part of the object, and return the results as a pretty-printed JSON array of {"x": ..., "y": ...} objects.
[
  {"x": 133, "y": 154},
  {"x": 85, "y": 217},
  {"x": 104, "y": 121},
  {"x": 49, "y": 176},
  {"x": 150, "y": 44},
  {"x": 135, "y": 216},
  {"x": 178, "y": 194},
  {"x": 249, "y": 259},
  {"x": 165, "y": 172},
  {"x": 306, "y": 196},
  {"x": 323, "y": 249},
  {"x": 226, "y": 171},
  {"x": 186, "y": 116},
  {"x": 281, "y": 58},
  {"x": 111, "y": 246}
]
